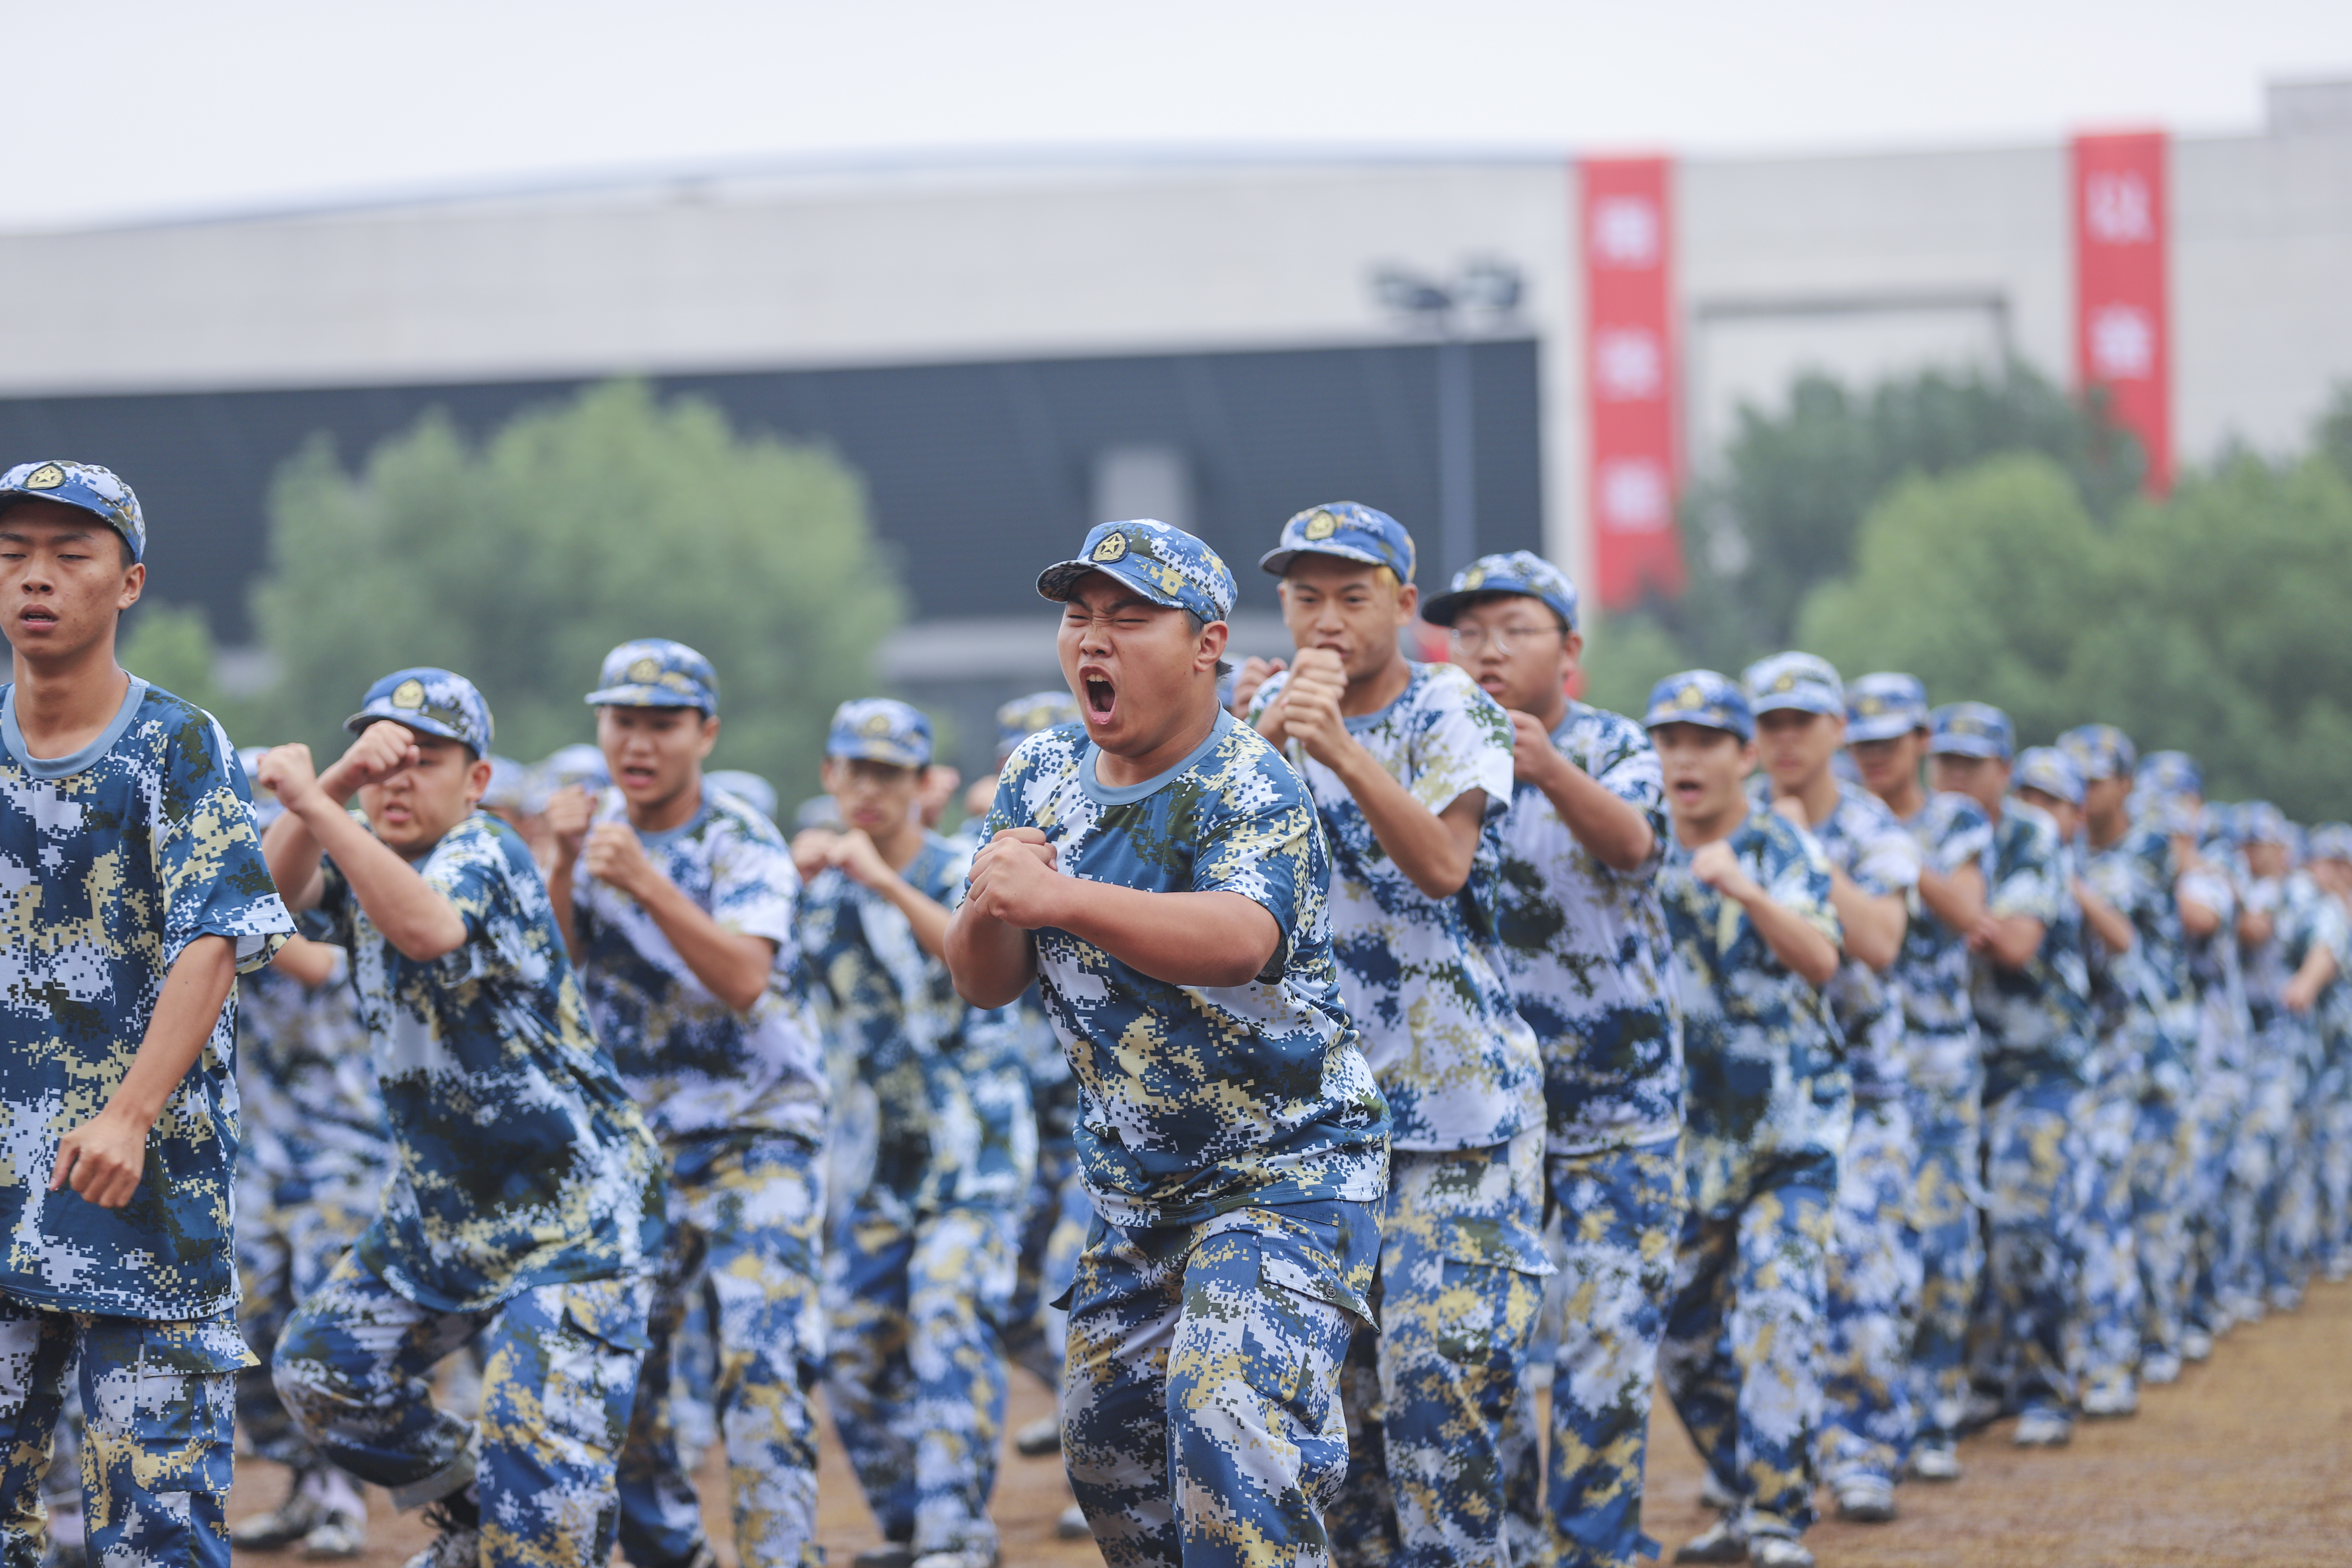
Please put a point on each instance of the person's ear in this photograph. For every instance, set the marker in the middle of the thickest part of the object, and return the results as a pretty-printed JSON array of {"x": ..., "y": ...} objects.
[
  {"x": 478, "y": 780},
  {"x": 709, "y": 736},
  {"x": 1408, "y": 600},
  {"x": 1211, "y": 645},
  {"x": 134, "y": 583}
]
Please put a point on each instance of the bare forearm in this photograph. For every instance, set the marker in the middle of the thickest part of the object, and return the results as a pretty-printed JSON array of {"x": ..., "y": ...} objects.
[
  {"x": 990, "y": 962},
  {"x": 412, "y": 916},
  {"x": 925, "y": 915},
  {"x": 558, "y": 894},
  {"x": 2016, "y": 939},
  {"x": 291, "y": 850},
  {"x": 184, "y": 1015},
  {"x": 1957, "y": 900},
  {"x": 1613, "y": 830},
  {"x": 1796, "y": 942},
  {"x": 1208, "y": 939},
  {"x": 734, "y": 966},
  {"x": 1873, "y": 923},
  {"x": 2199, "y": 920},
  {"x": 2115, "y": 932},
  {"x": 1430, "y": 849}
]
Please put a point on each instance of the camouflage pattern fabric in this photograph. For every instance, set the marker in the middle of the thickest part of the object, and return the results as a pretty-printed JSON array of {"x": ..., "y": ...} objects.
[
  {"x": 559, "y": 1373},
  {"x": 1622, "y": 1215},
  {"x": 745, "y": 1218},
  {"x": 2032, "y": 1156},
  {"x": 1421, "y": 976},
  {"x": 1459, "y": 1280},
  {"x": 695, "y": 1065},
  {"x": 118, "y": 856},
  {"x": 2109, "y": 1291},
  {"x": 1872, "y": 1279},
  {"x": 522, "y": 1161},
  {"x": 1584, "y": 947},
  {"x": 1200, "y": 1411},
  {"x": 1196, "y": 1100},
  {"x": 916, "y": 1373},
  {"x": 1742, "y": 1345},
  {"x": 2162, "y": 1161},
  {"x": 2035, "y": 1020},
  {"x": 155, "y": 1450},
  {"x": 2219, "y": 1079},
  {"x": 283, "y": 1255}
]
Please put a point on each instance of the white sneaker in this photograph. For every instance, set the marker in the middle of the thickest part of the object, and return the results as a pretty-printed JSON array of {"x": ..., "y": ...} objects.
[
  {"x": 1777, "y": 1551},
  {"x": 1863, "y": 1499},
  {"x": 2285, "y": 1298},
  {"x": 1072, "y": 1525},
  {"x": 2110, "y": 1399},
  {"x": 1714, "y": 1494},
  {"x": 2160, "y": 1367},
  {"x": 1722, "y": 1542},
  {"x": 959, "y": 1557},
  {"x": 2196, "y": 1344},
  {"x": 1936, "y": 1462},
  {"x": 2043, "y": 1429},
  {"x": 1040, "y": 1437}
]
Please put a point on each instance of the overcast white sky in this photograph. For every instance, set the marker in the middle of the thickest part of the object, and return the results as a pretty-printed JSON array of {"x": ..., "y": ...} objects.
[{"x": 123, "y": 111}]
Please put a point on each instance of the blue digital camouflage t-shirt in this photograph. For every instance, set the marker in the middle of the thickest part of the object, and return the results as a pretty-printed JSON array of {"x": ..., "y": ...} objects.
[
  {"x": 1944, "y": 1055},
  {"x": 697, "y": 1067},
  {"x": 1421, "y": 976},
  {"x": 112, "y": 861},
  {"x": 1585, "y": 950},
  {"x": 953, "y": 1117},
  {"x": 1768, "y": 1100},
  {"x": 313, "y": 1116},
  {"x": 522, "y": 1160},
  {"x": 1194, "y": 1100},
  {"x": 2036, "y": 1020},
  {"x": 1866, "y": 841}
]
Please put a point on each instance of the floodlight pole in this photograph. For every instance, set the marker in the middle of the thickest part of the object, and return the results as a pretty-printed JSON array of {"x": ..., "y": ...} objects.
[{"x": 1443, "y": 309}]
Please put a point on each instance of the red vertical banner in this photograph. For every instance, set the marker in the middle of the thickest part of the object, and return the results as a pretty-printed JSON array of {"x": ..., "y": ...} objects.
[
  {"x": 1630, "y": 382},
  {"x": 2123, "y": 327}
]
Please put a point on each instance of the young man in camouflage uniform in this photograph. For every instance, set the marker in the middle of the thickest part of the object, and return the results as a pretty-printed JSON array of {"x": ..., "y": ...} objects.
[
  {"x": 2106, "y": 1292},
  {"x": 1409, "y": 766},
  {"x": 1767, "y": 1108},
  {"x": 676, "y": 903},
  {"x": 2031, "y": 995},
  {"x": 1584, "y": 946},
  {"x": 2133, "y": 867},
  {"x": 1874, "y": 1270},
  {"x": 1159, "y": 873},
  {"x": 139, "y": 895},
  {"x": 2331, "y": 868},
  {"x": 526, "y": 1207},
  {"x": 1886, "y": 734},
  {"x": 922, "y": 1267},
  {"x": 314, "y": 1159}
]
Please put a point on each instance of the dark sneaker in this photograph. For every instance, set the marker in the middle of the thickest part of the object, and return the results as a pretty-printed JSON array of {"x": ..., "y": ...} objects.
[
  {"x": 459, "y": 1543},
  {"x": 282, "y": 1526},
  {"x": 1722, "y": 1542}
]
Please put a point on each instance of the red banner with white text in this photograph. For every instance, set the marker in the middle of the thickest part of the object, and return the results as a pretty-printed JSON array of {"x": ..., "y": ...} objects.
[
  {"x": 2123, "y": 327},
  {"x": 1631, "y": 389}
]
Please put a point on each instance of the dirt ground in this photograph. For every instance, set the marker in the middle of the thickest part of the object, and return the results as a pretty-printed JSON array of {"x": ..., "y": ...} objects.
[{"x": 2245, "y": 1462}]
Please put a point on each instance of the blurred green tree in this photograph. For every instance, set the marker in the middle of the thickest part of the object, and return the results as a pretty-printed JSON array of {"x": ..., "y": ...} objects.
[
  {"x": 521, "y": 562},
  {"x": 1780, "y": 513}
]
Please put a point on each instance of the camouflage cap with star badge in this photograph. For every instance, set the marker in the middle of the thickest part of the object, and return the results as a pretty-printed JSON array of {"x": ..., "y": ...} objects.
[
  {"x": 654, "y": 672},
  {"x": 1703, "y": 697},
  {"x": 2051, "y": 771},
  {"x": 85, "y": 486},
  {"x": 2169, "y": 773},
  {"x": 880, "y": 730},
  {"x": 2101, "y": 750},
  {"x": 1348, "y": 530},
  {"x": 1794, "y": 682},
  {"x": 1883, "y": 705},
  {"x": 1971, "y": 730},
  {"x": 1514, "y": 571},
  {"x": 431, "y": 702},
  {"x": 1024, "y": 716},
  {"x": 1166, "y": 565}
]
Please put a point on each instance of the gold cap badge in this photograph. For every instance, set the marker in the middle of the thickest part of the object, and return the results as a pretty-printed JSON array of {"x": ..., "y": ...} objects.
[
  {"x": 877, "y": 725},
  {"x": 47, "y": 477},
  {"x": 1472, "y": 578},
  {"x": 409, "y": 694},
  {"x": 645, "y": 671},
  {"x": 1788, "y": 681},
  {"x": 1112, "y": 548},
  {"x": 1322, "y": 525},
  {"x": 1689, "y": 697}
]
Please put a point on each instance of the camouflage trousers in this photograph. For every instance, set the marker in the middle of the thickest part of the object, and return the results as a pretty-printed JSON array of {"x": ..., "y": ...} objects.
[
  {"x": 2023, "y": 1340},
  {"x": 2332, "y": 1161},
  {"x": 158, "y": 1444},
  {"x": 1620, "y": 1211},
  {"x": 914, "y": 1373},
  {"x": 1742, "y": 1347},
  {"x": 745, "y": 1217},
  {"x": 1872, "y": 1275},
  {"x": 1201, "y": 1414},
  {"x": 2254, "y": 1251},
  {"x": 2221, "y": 1103},
  {"x": 1948, "y": 1204},
  {"x": 2109, "y": 1304},
  {"x": 2163, "y": 1161},
  {"x": 1053, "y": 1234},
  {"x": 1429, "y": 1397},
  {"x": 283, "y": 1253},
  {"x": 561, "y": 1373}
]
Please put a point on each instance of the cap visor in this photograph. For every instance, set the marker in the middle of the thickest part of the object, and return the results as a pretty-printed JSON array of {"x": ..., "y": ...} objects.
[
  {"x": 1880, "y": 728},
  {"x": 864, "y": 751},
  {"x": 1963, "y": 746},
  {"x": 358, "y": 722},
  {"x": 1060, "y": 580},
  {"x": 641, "y": 697},
  {"x": 1789, "y": 705},
  {"x": 1277, "y": 562}
]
